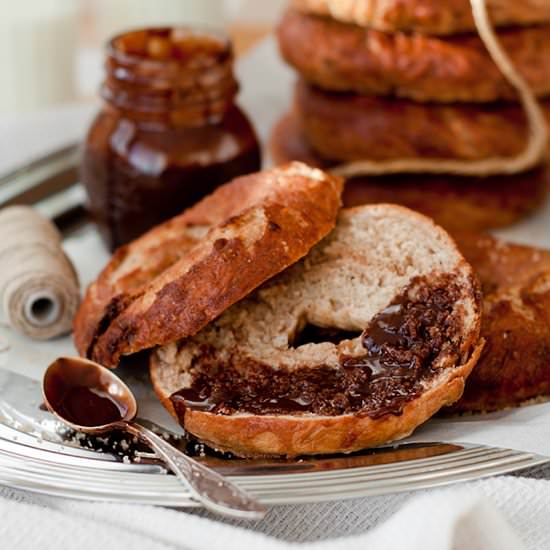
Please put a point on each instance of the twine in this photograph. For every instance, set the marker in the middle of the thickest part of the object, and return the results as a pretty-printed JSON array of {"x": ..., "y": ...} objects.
[
  {"x": 532, "y": 155},
  {"x": 39, "y": 290}
]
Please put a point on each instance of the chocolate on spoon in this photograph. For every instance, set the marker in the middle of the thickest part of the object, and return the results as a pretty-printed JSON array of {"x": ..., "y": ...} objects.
[{"x": 91, "y": 399}]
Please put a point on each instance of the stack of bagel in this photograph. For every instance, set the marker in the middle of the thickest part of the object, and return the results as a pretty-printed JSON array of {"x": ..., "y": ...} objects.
[{"x": 387, "y": 80}]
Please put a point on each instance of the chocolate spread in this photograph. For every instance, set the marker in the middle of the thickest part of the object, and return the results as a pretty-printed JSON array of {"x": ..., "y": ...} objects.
[
  {"x": 169, "y": 132},
  {"x": 81, "y": 394},
  {"x": 401, "y": 345}
]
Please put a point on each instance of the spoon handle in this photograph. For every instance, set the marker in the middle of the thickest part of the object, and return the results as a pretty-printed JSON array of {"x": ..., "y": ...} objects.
[{"x": 213, "y": 490}]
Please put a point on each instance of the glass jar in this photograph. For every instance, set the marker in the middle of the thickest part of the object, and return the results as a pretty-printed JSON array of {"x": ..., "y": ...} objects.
[{"x": 169, "y": 132}]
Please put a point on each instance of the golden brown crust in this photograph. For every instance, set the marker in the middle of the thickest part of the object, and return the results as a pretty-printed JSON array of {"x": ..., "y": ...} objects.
[
  {"x": 259, "y": 225},
  {"x": 454, "y": 202},
  {"x": 515, "y": 364},
  {"x": 251, "y": 435},
  {"x": 423, "y": 68},
  {"x": 131, "y": 267},
  {"x": 240, "y": 338},
  {"x": 457, "y": 202},
  {"x": 347, "y": 127},
  {"x": 427, "y": 16}
]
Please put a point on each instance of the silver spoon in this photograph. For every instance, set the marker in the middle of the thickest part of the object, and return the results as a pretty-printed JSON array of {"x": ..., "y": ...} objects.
[{"x": 91, "y": 399}]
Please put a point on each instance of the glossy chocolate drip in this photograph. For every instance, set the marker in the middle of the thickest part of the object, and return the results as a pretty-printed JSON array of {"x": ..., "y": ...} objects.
[
  {"x": 401, "y": 344},
  {"x": 89, "y": 407},
  {"x": 82, "y": 395}
]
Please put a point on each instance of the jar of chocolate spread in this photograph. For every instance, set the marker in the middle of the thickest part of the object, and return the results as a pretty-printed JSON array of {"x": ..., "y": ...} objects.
[{"x": 169, "y": 133}]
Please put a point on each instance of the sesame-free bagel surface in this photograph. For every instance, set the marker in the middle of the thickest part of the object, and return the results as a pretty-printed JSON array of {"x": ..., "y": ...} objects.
[
  {"x": 347, "y": 127},
  {"x": 343, "y": 57},
  {"x": 514, "y": 366},
  {"x": 356, "y": 345},
  {"x": 457, "y": 203},
  {"x": 175, "y": 279}
]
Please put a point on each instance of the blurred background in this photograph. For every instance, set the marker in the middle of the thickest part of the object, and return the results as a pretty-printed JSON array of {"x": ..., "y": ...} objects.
[{"x": 51, "y": 50}]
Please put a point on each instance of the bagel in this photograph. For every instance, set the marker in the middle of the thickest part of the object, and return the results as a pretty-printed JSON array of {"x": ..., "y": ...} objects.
[
  {"x": 515, "y": 364},
  {"x": 354, "y": 346},
  {"x": 181, "y": 275},
  {"x": 348, "y": 127},
  {"x": 427, "y": 16},
  {"x": 341, "y": 57},
  {"x": 457, "y": 203}
]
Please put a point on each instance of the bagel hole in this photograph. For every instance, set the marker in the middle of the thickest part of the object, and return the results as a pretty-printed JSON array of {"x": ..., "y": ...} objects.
[{"x": 313, "y": 334}]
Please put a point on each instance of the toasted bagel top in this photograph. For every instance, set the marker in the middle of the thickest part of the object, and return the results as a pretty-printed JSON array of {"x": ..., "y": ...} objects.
[{"x": 175, "y": 279}]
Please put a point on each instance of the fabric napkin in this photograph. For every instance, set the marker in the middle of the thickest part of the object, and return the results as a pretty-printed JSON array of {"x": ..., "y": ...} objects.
[{"x": 505, "y": 513}]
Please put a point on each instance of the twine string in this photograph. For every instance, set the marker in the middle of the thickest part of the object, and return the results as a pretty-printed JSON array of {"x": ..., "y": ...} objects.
[
  {"x": 39, "y": 290},
  {"x": 532, "y": 155}
]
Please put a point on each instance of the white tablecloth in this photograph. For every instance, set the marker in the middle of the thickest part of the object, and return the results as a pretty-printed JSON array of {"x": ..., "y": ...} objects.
[{"x": 496, "y": 514}]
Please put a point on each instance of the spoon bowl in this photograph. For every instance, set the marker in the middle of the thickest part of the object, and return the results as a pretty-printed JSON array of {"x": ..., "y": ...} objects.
[
  {"x": 92, "y": 399},
  {"x": 86, "y": 396}
]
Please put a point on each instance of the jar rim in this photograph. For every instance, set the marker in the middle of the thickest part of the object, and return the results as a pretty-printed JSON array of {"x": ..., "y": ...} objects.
[{"x": 114, "y": 50}]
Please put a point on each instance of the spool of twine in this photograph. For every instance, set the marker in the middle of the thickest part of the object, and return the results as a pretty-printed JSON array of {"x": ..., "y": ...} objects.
[
  {"x": 533, "y": 154},
  {"x": 39, "y": 289}
]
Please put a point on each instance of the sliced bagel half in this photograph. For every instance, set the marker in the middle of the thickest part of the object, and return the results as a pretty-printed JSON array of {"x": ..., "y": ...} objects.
[
  {"x": 181, "y": 275},
  {"x": 354, "y": 346}
]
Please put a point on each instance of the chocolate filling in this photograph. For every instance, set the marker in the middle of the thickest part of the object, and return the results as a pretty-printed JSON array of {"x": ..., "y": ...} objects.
[
  {"x": 312, "y": 334},
  {"x": 402, "y": 344}
]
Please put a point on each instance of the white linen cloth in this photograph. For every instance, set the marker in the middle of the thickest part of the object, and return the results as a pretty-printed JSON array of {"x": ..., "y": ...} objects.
[
  {"x": 507, "y": 513},
  {"x": 496, "y": 514}
]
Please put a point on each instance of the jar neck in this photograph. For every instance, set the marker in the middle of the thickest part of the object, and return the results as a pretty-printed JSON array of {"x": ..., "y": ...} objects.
[{"x": 170, "y": 77}]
